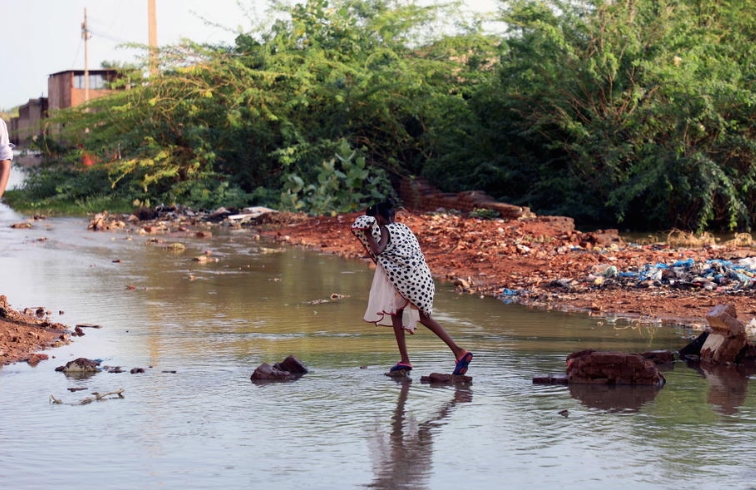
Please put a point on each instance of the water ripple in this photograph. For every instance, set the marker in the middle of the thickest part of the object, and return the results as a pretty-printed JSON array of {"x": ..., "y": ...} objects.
[{"x": 194, "y": 419}]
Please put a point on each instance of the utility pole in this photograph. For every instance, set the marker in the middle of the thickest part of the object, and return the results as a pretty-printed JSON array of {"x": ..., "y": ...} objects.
[
  {"x": 152, "y": 32},
  {"x": 85, "y": 35}
]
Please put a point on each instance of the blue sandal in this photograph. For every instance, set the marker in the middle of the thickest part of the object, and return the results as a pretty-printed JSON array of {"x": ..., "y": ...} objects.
[
  {"x": 462, "y": 363},
  {"x": 400, "y": 366}
]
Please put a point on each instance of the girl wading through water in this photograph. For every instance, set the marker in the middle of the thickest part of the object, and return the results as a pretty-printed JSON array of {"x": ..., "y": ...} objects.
[{"x": 403, "y": 289}]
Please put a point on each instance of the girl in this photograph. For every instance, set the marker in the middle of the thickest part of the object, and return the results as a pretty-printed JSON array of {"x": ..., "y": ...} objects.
[{"x": 402, "y": 287}]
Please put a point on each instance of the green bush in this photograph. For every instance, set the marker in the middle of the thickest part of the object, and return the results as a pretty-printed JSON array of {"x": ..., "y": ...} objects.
[
  {"x": 343, "y": 184},
  {"x": 483, "y": 213}
]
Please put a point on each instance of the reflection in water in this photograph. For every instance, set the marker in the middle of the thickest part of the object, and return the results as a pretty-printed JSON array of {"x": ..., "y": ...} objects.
[
  {"x": 7, "y": 218},
  {"x": 613, "y": 398},
  {"x": 194, "y": 420},
  {"x": 728, "y": 390},
  {"x": 728, "y": 385},
  {"x": 404, "y": 458}
]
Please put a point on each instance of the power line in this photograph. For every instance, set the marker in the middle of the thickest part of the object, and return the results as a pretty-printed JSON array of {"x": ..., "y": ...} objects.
[
  {"x": 78, "y": 50},
  {"x": 101, "y": 35},
  {"x": 107, "y": 28}
]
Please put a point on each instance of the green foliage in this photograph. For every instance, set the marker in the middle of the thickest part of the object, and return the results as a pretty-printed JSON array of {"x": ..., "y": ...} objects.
[
  {"x": 483, "y": 213},
  {"x": 208, "y": 194},
  {"x": 62, "y": 189},
  {"x": 638, "y": 112},
  {"x": 343, "y": 184},
  {"x": 376, "y": 73}
]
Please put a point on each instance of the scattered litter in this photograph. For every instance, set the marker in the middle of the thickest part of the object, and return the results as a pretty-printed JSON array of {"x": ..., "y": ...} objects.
[{"x": 713, "y": 274}]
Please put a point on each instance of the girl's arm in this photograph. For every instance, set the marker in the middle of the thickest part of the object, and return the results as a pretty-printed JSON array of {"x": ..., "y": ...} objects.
[{"x": 378, "y": 247}]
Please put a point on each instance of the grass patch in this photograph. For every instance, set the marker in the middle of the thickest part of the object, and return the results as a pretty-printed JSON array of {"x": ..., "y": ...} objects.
[
  {"x": 740, "y": 240},
  {"x": 20, "y": 202},
  {"x": 679, "y": 238}
]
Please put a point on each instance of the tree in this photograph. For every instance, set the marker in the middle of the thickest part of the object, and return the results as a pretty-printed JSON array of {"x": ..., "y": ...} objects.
[
  {"x": 621, "y": 111},
  {"x": 284, "y": 98}
]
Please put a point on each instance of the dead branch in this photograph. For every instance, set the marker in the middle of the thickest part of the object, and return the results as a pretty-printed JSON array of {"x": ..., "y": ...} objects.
[{"x": 97, "y": 397}]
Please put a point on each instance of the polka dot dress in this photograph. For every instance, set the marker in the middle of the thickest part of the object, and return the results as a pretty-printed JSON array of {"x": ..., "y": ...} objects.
[
  {"x": 402, "y": 260},
  {"x": 361, "y": 227}
]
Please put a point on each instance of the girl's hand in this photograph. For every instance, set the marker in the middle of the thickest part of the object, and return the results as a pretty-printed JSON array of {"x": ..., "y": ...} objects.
[{"x": 378, "y": 247}]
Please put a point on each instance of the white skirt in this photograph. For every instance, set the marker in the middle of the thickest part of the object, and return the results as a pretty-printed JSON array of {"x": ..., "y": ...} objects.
[{"x": 385, "y": 301}]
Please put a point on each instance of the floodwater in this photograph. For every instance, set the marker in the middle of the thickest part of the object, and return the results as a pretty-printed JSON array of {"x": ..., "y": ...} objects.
[{"x": 194, "y": 420}]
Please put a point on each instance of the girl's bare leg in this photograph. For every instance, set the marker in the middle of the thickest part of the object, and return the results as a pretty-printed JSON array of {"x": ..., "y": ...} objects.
[
  {"x": 396, "y": 321},
  {"x": 436, "y": 328}
]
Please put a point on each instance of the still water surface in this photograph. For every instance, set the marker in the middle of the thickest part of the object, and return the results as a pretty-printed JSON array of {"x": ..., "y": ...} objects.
[{"x": 194, "y": 420}]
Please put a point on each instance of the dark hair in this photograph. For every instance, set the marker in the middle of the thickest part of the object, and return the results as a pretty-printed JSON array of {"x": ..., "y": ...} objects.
[{"x": 385, "y": 209}]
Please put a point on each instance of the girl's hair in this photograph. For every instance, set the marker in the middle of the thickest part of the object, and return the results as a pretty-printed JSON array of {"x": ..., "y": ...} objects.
[{"x": 385, "y": 209}]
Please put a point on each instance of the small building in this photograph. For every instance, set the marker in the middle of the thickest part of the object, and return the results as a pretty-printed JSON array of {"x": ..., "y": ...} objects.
[
  {"x": 69, "y": 88},
  {"x": 64, "y": 89},
  {"x": 29, "y": 123}
]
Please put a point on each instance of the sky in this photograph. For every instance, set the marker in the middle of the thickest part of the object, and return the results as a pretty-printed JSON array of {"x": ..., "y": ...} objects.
[{"x": 41, "y": 37}]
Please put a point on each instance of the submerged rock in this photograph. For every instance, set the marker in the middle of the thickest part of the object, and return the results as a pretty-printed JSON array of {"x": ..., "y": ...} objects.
[
  {"x": 612, "y": 368},
  {"x": 35, "y": 359},
  {"x": 266, "y": 372},
  {"x": 289, "y": 369},
  {"x": 292, "y": 365},
  {"x": 399, "y": 373},
  {"x": 441, "y": 378},
  {"x": 659, "y": 356},
  {"x": 611, "y": 380},
  {"x": 79, "y": 366}
]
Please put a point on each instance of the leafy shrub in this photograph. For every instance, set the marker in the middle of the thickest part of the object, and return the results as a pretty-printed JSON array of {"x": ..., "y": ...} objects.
[
  {"x": 483, "y": 213},
  {"x": 343, "y": 184}
]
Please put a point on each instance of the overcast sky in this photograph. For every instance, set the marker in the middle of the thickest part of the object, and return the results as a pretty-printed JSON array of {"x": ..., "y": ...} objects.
[{"x": 40, "y": 37}]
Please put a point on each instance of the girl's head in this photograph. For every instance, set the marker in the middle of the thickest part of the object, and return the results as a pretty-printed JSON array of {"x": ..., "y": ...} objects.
[{"x": 383, "y": 209}]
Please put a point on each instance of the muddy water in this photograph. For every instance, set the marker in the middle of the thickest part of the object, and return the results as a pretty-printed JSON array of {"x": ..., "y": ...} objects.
[{"x": 194, "y": 420}]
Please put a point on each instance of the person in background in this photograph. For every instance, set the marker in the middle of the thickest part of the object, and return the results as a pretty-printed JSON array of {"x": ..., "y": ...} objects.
[
  {"x": 6, "y": 156},
  {"x": 402, "y": 291}
]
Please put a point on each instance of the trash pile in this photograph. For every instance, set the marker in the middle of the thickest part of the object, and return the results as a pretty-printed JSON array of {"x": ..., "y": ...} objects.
[
  {"x": 709, "y": 275},
  {"x": 724, "y": 276}
]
